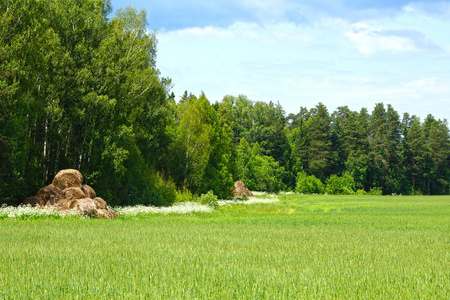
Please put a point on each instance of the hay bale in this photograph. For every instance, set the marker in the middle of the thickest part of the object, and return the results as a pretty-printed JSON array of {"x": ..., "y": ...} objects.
[
  {"x": 88, "y": 191},
  {"x": 64, "y": 204},
  {"x": 86, "y": 206},
  {"x": 68, "y": 178},
  {"x": 34, "y": 201},
  {"x": 73, "y": 193},
  {"x": 100, "y": 203},
  {"x": 106, "y": 214},
  {"x": 240, "y": 190},
  {"x": 49, "y": 194}
]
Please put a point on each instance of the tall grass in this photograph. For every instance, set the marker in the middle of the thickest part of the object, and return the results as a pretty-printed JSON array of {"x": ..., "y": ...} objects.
[{"x": 301, "y": 247}]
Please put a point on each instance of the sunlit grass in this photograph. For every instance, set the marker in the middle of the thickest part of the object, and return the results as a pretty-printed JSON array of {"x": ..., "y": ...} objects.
[{"x": 298, "y": 247}]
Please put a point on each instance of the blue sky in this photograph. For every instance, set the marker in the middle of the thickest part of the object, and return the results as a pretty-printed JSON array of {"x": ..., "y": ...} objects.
[{"x": 353, "y": 53}]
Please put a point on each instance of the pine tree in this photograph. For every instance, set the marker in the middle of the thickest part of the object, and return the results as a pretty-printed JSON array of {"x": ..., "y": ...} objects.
[
  {"x": 319, "y": 142},
  {"x": 416, "y": 153},
  {"x": 437, "y": 164}
]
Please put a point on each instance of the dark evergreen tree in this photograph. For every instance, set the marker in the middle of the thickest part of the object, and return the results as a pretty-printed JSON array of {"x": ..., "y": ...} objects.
[
  {"x": 298, "y": 138},
  {"x": 319, "y": 145},
  {"x": 385, "y": 150},
  {"x": 437, "y": 163},
  {"x": 415, "y": 155}
]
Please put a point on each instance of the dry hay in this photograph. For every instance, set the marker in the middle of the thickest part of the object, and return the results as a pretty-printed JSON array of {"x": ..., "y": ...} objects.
[
  {"x": 68, "y": 178},
  {"x": 240, "y": 190},
  {"x": 88, "y": 191},
  {"x": 106, "y": 214},
  {"x": 65, "y": 204},
  {"x": 68, "y": 192},
  {"x": 49, "y": 194},
  {"x": 100, "y": 203},
  {"x": 72, "y": 193},
  {"x": 34, "y": 201},
  {"x": 86, "y": 206}
]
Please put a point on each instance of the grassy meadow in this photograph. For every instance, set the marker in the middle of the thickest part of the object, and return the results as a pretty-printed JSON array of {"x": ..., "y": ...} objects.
[{"x": 286, "y": 246}]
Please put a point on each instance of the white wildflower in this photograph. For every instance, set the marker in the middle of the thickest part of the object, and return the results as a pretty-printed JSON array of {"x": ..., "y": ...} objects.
[
  {"x": 179, "y": 208},
  {"x": 28, "y": 212}
]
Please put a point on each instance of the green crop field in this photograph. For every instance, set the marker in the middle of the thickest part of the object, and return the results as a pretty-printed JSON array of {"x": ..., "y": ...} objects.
[{"x": 289, "y": 246}]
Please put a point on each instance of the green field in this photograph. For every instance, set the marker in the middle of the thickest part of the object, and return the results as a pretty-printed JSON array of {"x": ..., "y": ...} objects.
[{"x": 301, "y": 247}]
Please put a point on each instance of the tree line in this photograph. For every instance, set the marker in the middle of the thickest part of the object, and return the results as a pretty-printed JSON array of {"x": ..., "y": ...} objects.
[{"x": 81, "y": 90}]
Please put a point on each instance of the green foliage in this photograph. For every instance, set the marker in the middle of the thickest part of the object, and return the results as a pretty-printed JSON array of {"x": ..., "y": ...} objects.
[
  {"x": 437, "y": 165},
  {"x": 263, "y": 124},
  {"x": 185, "y": 196},
  {"x": 209, "y": 199},
  {"x": 319, "y": 146},
  {"x": 376, "y": 191},
  {"x": 81, "y": 91},
  {"x": 309, "y": 184},
  {"x": 361, "y": 192},
  {"x": 416, "y": 192},
  {"x": 386, "y": 149},
  {"x": 416, "y": 154},
  {"x": 258, "y": 172},
  {"x": 344, "y": 185}
]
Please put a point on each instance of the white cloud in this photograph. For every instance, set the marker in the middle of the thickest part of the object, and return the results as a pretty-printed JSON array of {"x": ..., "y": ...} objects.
[
  {"x": 440, "y": 9},
  {"x": 250, "y": 31},
  {"x": 369, "y": 41},
  {"x": 196, "y": 32}
]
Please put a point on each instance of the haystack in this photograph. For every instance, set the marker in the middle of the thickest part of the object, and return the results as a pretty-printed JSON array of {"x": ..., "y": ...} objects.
[
  {"x": 240, "y": 190},
  {"x": 68, "y": 192},
  {"x": 68, "y": 178}
]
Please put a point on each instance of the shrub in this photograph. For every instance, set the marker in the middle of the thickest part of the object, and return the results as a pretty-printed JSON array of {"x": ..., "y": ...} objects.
[
  {"x": 361, "y": 192},
  {"x": 185, "y": 196},
  {"x": 415, "y": 192},
  {"x": 209, "y": 199},
  {"x": 166, "y": 189},
  {"x": 376, "y": 191},
  {"x": 308, "y": 184},
  {"x": 344, "y": 185}
]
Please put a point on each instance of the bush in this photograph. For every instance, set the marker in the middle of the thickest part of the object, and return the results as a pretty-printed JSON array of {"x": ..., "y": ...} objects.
[
  {"x": 361, "y": 192},
  {"x": 344, "y": 185},
  {"x": 166, "y": 189},
  {"x": 377, "y": 191},
  {"x": 416, "y": 192},
  {"x": 309, "y": 184},
  {"x": 185, "y": 196},
  {"x": 209, "y": 199}
]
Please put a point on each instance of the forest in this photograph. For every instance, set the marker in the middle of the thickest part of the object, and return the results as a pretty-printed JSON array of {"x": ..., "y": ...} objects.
[{"x": 80, "y": 89}]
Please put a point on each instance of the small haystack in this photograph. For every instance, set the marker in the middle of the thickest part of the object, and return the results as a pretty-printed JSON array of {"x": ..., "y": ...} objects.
[
  {"x": 240, "y": 190},
  {"x": 68, "y": 192}
]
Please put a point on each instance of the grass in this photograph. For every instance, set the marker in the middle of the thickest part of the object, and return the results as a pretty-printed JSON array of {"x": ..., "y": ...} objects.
[{"x": 285, "y": 247}]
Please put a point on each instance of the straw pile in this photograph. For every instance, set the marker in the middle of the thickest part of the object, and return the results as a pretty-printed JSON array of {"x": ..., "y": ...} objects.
[
  {"x": 240, "y": 190},
  {"x": 67, "y": 191}
]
